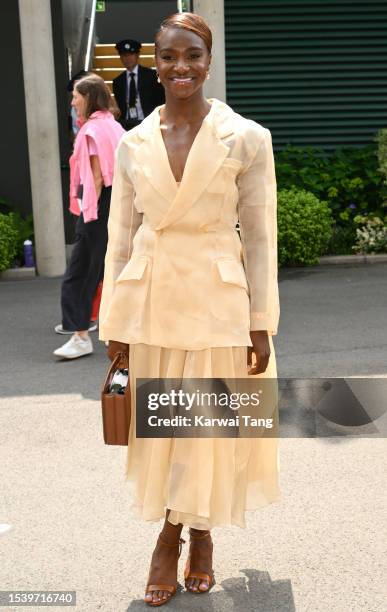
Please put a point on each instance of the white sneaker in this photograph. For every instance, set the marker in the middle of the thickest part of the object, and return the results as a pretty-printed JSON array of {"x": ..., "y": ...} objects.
[
  {"x": 59, "y": 329},
  {"x": 75, "y": 347}
]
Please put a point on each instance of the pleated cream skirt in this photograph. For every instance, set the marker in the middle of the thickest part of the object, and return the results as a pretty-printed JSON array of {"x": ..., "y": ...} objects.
[{"x": 205, "y": 482}]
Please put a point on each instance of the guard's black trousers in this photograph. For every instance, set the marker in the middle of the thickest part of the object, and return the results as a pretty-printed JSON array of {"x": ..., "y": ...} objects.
[{"x": 86, "y": 267}]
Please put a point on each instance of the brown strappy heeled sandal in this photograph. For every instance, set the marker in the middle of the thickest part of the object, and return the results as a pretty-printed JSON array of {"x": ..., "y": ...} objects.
[
  {"x": 210, "y": 578},
  {"x": 170, "y": 588}
]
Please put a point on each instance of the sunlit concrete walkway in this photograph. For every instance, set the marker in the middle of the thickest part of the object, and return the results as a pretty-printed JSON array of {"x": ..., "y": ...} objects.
[{"x": 65, "y": 507}]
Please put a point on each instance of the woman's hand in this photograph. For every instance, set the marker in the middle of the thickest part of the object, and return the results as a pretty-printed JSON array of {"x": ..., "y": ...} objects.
[
  {"x": 117, "y": 347},
  {"x": 261, "y": 349}
]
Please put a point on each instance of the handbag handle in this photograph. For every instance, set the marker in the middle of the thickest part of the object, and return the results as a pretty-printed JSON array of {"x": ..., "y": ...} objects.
[
  {"x": 118, "y": 357},
  {"x": 121, "y": 356}
]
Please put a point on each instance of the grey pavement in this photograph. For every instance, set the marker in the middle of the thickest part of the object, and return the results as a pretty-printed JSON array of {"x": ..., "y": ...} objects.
[{"x": 322, "y": 548}]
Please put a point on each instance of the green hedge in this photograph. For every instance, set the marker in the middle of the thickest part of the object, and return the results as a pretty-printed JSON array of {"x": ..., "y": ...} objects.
[
  {"x": 381, "y": 139},
  {"x": 24, "y": 227},
  {"x": 304, "y": 227},
  {"x": 351, "y": 181},
  {"x": 8, "y": 241}
]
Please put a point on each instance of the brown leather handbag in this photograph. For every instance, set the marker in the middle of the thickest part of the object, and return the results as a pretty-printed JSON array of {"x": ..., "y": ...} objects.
[{"x": 116, "y": 408}]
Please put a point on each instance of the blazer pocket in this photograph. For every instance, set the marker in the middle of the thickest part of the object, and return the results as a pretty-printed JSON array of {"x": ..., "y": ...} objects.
[
  {"x": 232, "y": 163},
  {"x": 134, "y": 269},
  {"x": 224, "y": 179},
  {"x": 231, "y": 271}
]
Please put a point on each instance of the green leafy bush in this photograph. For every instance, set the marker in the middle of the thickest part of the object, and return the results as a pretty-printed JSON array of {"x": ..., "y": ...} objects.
[
  {"x": 381, "y": 139},
  {"x": 349, "y": 180},
  {"x": 343, "y": 238},
  {"x": 25, "y": 230},
  {"x": 8, "y": 242},
  {"x": 304, "y": 227},
  {"x": 24, "y": 226}
]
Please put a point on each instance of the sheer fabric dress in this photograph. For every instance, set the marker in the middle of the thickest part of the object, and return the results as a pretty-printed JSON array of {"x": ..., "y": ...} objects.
[{"x": 162, "y": 234}]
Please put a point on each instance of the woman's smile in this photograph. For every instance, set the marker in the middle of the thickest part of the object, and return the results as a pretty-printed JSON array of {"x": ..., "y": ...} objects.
[{"x": 182, "y": 80}]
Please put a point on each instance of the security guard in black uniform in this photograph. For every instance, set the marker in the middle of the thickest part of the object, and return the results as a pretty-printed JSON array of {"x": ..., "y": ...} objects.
[{"x": 136, "y": 90}]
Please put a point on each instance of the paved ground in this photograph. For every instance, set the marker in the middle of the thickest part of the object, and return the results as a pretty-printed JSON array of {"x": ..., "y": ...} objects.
[{"x": 321, "y": 549}]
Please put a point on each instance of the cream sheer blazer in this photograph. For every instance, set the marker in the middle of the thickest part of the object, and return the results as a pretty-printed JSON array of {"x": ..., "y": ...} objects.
[{"x": 177, "y": 274}]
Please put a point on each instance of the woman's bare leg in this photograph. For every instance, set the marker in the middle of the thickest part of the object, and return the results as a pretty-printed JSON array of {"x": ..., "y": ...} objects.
[
  {"x": 163, "y": 569},
  {"x": 200, "y": 559}
]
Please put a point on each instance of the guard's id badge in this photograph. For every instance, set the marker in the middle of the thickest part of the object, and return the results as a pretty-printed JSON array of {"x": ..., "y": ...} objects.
[{"x": 133, "y": 112}]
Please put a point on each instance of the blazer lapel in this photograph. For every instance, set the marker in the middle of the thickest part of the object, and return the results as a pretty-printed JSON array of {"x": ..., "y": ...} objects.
[
  {"x": 152, "y": 157},
  {"x": 206, "y": 156}
]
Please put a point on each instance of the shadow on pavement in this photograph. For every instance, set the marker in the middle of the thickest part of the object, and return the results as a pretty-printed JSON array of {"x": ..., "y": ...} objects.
[{"x": 255, "y": 592}]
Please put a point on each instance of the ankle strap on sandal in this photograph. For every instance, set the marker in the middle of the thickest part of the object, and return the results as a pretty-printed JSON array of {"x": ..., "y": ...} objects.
[
  {"x": 199, "y": 537},
  {"x": 178, "y": 544}
]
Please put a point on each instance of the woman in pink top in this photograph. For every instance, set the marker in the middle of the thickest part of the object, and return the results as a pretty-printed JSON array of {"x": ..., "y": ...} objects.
[{"x": 91, "y": 176}]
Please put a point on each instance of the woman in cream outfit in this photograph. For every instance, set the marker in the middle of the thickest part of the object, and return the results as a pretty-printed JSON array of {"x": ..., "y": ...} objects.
[{"x": 192, "y": 299}]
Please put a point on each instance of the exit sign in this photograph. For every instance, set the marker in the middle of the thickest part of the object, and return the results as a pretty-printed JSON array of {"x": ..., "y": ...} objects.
[{"x": 100, "y": 6}]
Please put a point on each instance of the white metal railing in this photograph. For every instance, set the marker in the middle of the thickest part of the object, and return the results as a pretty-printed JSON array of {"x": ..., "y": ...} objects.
[{"x": 90, "y": 36}]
